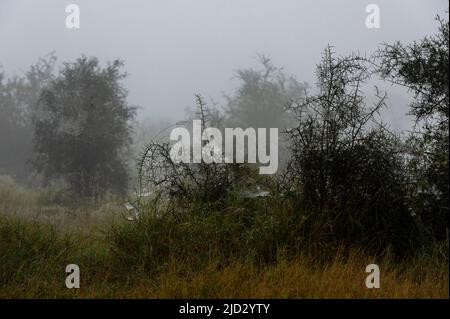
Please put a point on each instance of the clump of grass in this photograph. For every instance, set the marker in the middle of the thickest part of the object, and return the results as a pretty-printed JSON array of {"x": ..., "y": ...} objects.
[
  {"x": 30, "y": 251},
  {"x": 236, "y": 232},
  {"x": 14, "y": 198},
  {"x": 34, "y": 256},
  {"x": 56, "y": 206}
]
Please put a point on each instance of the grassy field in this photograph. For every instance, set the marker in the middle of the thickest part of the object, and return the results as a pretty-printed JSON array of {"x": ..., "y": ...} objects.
[{"x": 157, "y": 258}]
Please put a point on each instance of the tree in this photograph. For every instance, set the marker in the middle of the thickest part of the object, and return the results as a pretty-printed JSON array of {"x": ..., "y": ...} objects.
[
  {"x": 347, "y": 167},
  {"x": 262, "y": 98},
  {"x": 18, "y": 99},
  {"x": 422, "y": 67},
  {"x": 82, "y": 129}
]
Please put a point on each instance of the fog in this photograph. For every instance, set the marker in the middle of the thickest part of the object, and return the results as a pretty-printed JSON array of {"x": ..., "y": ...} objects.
[{"x": 173, "y": 49}]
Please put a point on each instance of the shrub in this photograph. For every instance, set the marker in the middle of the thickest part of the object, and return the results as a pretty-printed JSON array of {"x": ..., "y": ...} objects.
[{"x": 346, "y": 168}]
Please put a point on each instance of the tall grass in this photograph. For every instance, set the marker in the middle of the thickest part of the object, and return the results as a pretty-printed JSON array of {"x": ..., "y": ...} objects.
[{"x": 252, "y": 248}]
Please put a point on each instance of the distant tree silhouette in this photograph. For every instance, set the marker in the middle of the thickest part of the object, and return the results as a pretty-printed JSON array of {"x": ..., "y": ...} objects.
[
  {"x": 18, "y": 99},
  {"x": 82, "y": 128},
  {"x": 262, "y": 97}
]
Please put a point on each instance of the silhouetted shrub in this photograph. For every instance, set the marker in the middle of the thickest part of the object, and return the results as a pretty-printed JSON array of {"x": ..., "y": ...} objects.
[{"x": 346, "y": 168}]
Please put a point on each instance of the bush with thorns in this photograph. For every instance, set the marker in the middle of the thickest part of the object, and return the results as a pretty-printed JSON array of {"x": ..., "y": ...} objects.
[{"x": 183, "y": 184}]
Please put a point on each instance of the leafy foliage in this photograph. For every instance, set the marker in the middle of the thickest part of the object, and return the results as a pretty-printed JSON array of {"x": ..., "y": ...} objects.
[
  {"x": 82, "y": 129},
  {"x": 423, "y": 68},
  {"x": 18, "y": 99}
]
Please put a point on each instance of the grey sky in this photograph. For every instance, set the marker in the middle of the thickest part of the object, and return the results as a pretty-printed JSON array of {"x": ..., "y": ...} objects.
[{"x": 175, "y": 48}]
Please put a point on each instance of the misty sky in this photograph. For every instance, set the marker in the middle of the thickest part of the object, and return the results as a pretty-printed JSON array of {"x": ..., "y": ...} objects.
[{"x": 173, "y": 49}]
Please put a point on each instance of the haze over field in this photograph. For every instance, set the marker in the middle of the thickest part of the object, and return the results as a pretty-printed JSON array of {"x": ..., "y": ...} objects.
[
  {"x": 173, "y": 49},
  {"x": 224, "y": 149}
]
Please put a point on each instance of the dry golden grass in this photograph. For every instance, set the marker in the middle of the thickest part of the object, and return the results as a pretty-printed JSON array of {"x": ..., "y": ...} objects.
[
  {"x": 295, "y": 279},
  {"x": 298, "y": 278}
]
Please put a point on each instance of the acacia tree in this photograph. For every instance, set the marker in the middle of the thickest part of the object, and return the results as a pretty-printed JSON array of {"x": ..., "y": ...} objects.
[
  {"x": 346, "y": 168},
  {"x": 261, "y": 100},
  {"x": 262, "y": 97},
  {"x": 422, "y": 67},
  {"x": 82, "y": 128}
]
